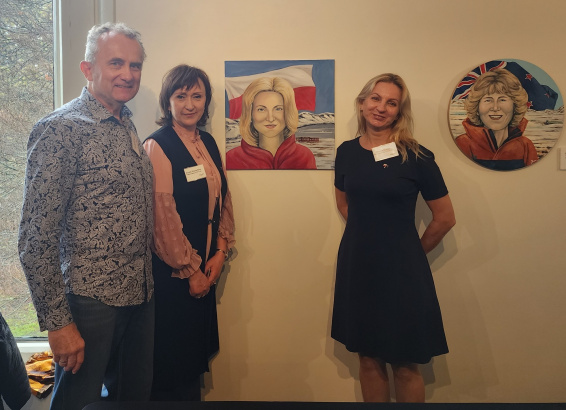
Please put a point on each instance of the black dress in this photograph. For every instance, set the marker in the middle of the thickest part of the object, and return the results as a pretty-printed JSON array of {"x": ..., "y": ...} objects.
[
  {"x": 186, "y": 329},
  {"x": 385, "y": 303}
]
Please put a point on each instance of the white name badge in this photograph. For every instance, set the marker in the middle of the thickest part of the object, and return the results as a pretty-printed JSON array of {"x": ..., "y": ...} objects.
[
  {"x": 195, "y": 173},
  {"x": 385, "y": 151}
]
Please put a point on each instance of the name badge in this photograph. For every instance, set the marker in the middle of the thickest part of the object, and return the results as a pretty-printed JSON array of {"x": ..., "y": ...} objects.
[
  {"x": 385, "y": 151},
  {"x": 195, "y": 173}
]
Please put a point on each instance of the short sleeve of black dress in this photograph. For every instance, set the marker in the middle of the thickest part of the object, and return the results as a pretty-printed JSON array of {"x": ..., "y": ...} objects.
[
  {"x": 339, "y": 168},
  {"x": 430, "y": 181}
]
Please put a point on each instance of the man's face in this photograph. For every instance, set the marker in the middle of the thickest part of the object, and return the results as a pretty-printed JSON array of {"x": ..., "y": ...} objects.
[{"x": 114, "y": 77}]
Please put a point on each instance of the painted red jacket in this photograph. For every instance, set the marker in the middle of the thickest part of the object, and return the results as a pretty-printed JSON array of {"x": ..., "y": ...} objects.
[
  {"x": 289, "y": 155},
  {"x": 478, "y": 144}
]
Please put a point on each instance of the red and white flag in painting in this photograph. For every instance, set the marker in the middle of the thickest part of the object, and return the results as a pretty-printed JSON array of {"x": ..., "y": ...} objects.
[{"x": 299, "y": 76}]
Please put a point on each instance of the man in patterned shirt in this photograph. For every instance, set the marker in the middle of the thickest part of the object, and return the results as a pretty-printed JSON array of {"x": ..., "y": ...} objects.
[{"x": 86, "y": 230}]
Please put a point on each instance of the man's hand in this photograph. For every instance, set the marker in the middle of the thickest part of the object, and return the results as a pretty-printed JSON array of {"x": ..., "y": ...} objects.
[{"x": 68, "y": 347}]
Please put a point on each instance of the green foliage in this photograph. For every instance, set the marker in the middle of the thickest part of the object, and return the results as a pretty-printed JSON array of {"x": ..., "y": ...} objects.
[
  {"x": 26, "y": 95},
  {"x": 23, "y": 320}
]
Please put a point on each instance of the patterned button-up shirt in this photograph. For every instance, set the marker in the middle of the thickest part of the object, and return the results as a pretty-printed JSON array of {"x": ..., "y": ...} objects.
[{"x": 87, "y": 216}]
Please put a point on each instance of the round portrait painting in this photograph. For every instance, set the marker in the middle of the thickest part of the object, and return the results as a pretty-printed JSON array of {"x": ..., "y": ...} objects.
[{"x": 506, "y": 114}]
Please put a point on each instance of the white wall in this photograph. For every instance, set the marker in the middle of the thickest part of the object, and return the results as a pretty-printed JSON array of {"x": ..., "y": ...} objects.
[{"x": 499, "y": 273}]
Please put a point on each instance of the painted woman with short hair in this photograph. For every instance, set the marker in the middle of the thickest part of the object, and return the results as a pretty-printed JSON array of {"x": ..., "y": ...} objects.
[
  {"x": 385, "y": 304},
  {"x": 496, "y": 107}
]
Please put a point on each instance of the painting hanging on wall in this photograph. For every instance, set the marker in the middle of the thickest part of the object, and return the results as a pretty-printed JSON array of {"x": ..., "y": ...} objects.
[
  {"x": 506, "y": 114},
  {"x": 279, "y": 114}
]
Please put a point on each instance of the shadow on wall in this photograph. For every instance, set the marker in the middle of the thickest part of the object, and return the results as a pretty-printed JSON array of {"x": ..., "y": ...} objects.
[
  {"x": 234, "y": 320},
  {"x": 207, "y": 380},
  {"x": 145, "y": 109},
  {"x": 474, "y": 240},
  {"x": 268, "y": 289}
]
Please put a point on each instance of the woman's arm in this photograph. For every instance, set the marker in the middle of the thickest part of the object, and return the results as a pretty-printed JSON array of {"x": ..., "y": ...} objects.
[
  {"x": 342, "y": 203},
  {"x": 214, "y": 264},
  {"x": 224, "y": 241},
  {"x": 171, "y": 245},
  {"x": 443, "y": 219},
  {"x": 226, "y": 226}
]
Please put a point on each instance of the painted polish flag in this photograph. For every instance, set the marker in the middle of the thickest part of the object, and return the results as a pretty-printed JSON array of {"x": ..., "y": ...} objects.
[{"x": 299, "y": 76}]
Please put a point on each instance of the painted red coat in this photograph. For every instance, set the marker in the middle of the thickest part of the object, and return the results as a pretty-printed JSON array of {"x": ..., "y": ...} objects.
[
  {"x": 289, "y": 155},
  {"x": 478, "y": 144}
]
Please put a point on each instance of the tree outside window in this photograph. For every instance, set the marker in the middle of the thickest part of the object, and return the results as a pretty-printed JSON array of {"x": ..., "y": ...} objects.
[{"x": 26, "y": 95}]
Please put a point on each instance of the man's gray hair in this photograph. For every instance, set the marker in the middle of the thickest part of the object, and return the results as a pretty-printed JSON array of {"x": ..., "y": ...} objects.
[{"x": 97, "y": 31}]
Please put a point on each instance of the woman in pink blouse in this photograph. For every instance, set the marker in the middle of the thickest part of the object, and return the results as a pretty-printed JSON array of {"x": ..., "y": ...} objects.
[{"x": 194, "y": 227}]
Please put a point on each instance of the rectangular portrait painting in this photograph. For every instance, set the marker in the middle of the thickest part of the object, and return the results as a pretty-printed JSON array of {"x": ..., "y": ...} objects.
[{"x": 279, "y": 114}]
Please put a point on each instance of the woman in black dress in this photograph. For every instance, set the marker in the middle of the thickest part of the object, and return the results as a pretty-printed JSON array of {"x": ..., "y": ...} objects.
[
  {"x": 385, "y": 304},
  {"x": 193, "y": 233}
]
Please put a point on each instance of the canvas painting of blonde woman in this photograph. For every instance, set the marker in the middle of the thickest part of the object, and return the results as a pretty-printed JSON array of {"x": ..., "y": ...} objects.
[{"x": 280, "y": 115}]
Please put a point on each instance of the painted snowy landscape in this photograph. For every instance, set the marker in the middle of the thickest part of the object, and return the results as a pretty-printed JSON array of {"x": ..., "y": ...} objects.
[{"x": 316, "y": 132}]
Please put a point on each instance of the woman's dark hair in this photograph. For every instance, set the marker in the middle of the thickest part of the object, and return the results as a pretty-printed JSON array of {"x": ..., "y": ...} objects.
[{"x": 179, "y": 77}]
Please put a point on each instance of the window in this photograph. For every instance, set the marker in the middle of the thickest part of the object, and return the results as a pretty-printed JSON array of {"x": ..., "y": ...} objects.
[{"x": 26, "y": 95}]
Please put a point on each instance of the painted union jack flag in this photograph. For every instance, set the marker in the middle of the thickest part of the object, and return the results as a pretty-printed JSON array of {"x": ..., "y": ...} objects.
[
  {"x": 541, "y": 97},
  {"x": 463, "y": 87}
]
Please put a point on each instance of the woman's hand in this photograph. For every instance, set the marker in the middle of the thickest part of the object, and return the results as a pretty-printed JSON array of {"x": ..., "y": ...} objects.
[
  {"x": 198, "y": 285},
  {"x": 443, "y": 220},
  {"x": 214, "y": 266},
  {"x": 342, "y": 203}
]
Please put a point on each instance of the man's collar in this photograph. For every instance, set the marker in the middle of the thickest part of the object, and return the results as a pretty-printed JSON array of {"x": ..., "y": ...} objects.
[{"x": 99, "y": 111}]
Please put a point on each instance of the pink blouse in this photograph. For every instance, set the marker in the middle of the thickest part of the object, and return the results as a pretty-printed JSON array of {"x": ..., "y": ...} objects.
[{"x": 171, "y": 245}]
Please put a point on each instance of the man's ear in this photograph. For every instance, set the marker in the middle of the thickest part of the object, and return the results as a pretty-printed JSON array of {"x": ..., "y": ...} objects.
[{"x": 86, "y": 68}]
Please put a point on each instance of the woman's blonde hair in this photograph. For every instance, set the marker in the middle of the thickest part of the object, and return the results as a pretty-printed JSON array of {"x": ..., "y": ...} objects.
[
  {"x": 278, "y": 85},
  {"x": 498, "y": 81},
  {"x": 402, "y": 129}
]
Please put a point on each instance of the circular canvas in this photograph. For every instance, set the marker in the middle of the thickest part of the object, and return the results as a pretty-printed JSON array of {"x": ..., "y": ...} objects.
[{"x": 506, "y": 114}]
